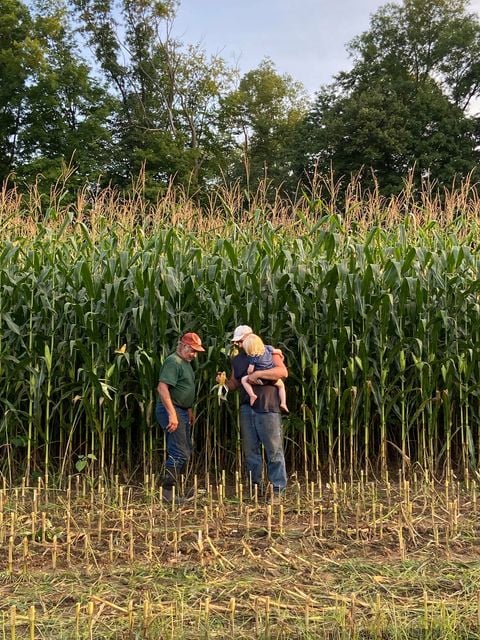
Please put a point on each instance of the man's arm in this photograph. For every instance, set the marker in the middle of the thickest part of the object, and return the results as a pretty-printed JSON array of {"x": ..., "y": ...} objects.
[
  {"x": 165, "y": 397},
  {"x": 279, "y": 370}
]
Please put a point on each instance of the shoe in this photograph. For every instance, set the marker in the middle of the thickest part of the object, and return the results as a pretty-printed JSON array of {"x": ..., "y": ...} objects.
[
  {"x": 167, "y": 496},
  {"x": 277, "y": 497},
  {"x": 189, "y": 494}
]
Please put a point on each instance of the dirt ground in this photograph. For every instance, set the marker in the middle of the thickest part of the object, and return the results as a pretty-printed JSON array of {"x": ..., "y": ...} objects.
[{"x": 363, "y": 560}]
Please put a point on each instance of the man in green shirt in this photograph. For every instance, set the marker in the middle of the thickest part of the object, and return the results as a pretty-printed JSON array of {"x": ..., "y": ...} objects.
[{"x": 176, "y": 390}]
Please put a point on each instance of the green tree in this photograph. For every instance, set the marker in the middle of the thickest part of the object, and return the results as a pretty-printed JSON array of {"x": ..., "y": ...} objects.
[
  {"x": 263, "y": 114},
  {"x": 404, "y": 104},
  {"x": 52, "y": 113},
  {"x": 168, "y": 94},
  {"x": 18, "y": 51},
  {"x": 65, "y": 119},
  {"x": 424, "y": 39}
]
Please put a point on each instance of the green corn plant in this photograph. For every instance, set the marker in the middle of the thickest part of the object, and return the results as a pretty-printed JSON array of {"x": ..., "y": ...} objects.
[{"x": 378, "y": 323}]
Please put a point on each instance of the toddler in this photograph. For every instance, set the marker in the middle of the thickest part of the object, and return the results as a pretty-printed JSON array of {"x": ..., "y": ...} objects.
[{"x": 260, "y": 358}]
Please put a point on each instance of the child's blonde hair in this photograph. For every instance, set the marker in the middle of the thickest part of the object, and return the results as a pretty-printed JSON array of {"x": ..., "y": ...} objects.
[{"x": 253, "y": 345}]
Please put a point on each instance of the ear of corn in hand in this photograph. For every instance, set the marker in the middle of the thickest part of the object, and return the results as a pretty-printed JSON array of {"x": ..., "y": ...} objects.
[{"x": 221, "y": 386}]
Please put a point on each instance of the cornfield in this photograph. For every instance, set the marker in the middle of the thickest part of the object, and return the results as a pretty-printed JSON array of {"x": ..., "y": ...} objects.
[{"x": 375, "y": 304}]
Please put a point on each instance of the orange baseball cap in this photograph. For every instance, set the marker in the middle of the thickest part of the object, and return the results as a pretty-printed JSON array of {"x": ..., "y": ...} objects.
[{"x": 192, "y": 340}]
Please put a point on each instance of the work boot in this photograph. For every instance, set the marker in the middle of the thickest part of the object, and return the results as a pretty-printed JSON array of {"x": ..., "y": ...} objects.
[
  {"x": 169, "y": 481},
  {"x": 276, "y": 495}
]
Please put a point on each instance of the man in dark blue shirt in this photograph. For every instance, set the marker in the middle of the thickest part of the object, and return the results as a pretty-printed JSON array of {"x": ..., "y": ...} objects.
[{"x": 260, "y": 424}]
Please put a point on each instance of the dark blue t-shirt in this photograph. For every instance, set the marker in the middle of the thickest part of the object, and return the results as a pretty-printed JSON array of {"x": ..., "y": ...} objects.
[{"x": 267, "y": 394}]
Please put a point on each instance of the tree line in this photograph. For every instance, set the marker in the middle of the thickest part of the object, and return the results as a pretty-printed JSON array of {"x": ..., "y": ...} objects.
[{"x": 103, "y": 92}]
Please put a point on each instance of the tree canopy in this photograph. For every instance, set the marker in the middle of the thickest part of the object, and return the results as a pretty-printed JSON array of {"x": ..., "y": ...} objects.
[
  {"x": 104, "y": 88},
  {"x": 405, "y": 102}
]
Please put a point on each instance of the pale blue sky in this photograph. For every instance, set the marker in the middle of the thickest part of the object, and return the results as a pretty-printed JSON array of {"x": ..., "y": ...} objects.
[{"x": 305, "y": 38}]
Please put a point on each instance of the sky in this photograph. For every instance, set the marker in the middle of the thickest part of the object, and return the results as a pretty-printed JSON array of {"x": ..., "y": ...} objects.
[{"x": 304, "y": 38}]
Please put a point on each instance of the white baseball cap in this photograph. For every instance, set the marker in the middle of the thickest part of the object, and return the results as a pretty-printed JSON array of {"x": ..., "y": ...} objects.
[{"x": 241, "y": 332}]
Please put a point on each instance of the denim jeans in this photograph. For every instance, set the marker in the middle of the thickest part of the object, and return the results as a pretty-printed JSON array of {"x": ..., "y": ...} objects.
[
  {"x": 266, "y": 429},
  {"x": 179, "y": 442}
]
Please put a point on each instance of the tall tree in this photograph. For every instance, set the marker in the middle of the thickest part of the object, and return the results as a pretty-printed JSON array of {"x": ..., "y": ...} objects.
[
  {"x": 405, "y": 101},
  {"x": 52, "y": 113},
  {"x": 168, "y": 94},
  {"x": 436, "y": 39},
  {"x": 263, "y": 114},
  {"x": 66, "y": 112},
  {"x": 18, "y": 52}
]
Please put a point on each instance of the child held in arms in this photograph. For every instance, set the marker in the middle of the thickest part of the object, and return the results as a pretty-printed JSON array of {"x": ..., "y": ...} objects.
[{"x": 259, "y": 356}]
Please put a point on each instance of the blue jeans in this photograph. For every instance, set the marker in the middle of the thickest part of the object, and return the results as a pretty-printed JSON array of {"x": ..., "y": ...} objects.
[
  {"x": 179, "y": 442},
  {"x": 263, "y": 428}
]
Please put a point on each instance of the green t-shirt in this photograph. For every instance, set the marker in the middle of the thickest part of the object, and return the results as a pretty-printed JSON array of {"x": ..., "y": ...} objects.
[{"x": 179, "y": 376}]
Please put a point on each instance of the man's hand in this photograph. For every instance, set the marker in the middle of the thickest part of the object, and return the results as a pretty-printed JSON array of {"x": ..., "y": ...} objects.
[
  {"x": 227, "y": 384},
  {"x": 221, "y": 386},
  {"x": 172, "y": 422},
  {"x": 221, "y": 378},
  {"x": 255, "y": 377}
]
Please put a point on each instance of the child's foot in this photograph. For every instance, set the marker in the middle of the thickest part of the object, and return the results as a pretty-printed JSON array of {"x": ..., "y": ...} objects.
[
  {"x": 284, "y": 408},
  {"x": 252, "y": 399}
]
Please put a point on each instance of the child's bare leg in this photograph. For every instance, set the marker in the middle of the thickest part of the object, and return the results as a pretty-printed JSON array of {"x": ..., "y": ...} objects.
[
  {"x": 249, "y": 389},
  {"x": 282, "y": 394}
]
